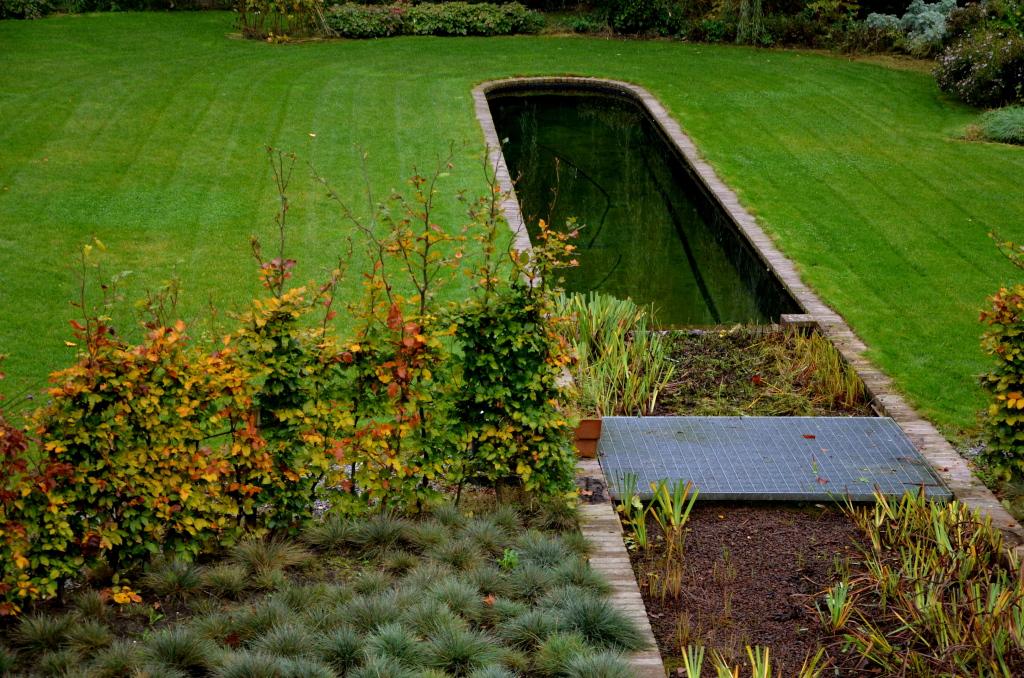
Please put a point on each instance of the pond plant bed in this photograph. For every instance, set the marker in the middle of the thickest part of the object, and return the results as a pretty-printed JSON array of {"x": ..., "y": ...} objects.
[
  {"x": 899, "y": 587},
  {"x": 749, "y": 577},
  {"x": 759, "y": 371}
]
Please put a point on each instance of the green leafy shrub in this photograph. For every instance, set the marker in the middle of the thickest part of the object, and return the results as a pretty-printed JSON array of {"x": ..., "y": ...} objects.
[
  {"x": 984, "y": 68},
  {"x": 661, "y": 17},
  {"x": 1005, "y": 125},
  {"x": 354, "y": 20},
  {"x": 36, "y": 539},
  {"x": 513, "y": 361},
  {"x": 461, "y": 18},
  {"x": 24, "y": 9},
  {"x": 169, "y": 448}
]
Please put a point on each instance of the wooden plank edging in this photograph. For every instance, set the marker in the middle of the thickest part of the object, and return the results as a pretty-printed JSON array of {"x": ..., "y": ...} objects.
[{"x": 600, "y": 525}]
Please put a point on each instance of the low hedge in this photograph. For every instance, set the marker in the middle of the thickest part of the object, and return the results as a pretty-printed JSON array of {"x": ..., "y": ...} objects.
[{"x": 353, "y": 20}]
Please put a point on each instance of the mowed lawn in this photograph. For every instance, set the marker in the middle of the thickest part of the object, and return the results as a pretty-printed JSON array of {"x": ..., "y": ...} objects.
[{"x": 147, "y": 131}]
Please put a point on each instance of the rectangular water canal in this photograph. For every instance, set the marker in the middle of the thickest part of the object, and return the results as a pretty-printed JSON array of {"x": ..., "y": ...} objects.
[{"x": 649, "y": 230}]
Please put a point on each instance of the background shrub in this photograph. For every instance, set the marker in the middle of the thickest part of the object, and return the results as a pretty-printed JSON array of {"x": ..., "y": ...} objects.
[
  {"x": 984, "y": 68},
  {"x": 23, "y": 9},
  {"x": 279, "y": 18},
  {"x": 353, "y": 20},
  {"x": 662, "y": 17},
  {"x": 923, "y": 25}
]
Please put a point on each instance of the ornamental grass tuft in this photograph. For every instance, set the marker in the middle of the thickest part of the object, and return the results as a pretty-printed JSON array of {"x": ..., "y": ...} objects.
[
  {"x": 227, "y": 580},
  {"x": 88, "y": 636},
  {"x": 271, "y": 555},
  {"x": 40, "y": 633},
  {"x": 394, "y": 641},
  {"x": 173, "y": 578},
  {"x": 330, "y": 534},
  {"x": 602, "y": 625},
  {"x": 461, "y": 597},
  {"x": 182, "y": 649},
  {"x": 341, "y": 648},
  {"x": 528, "y": 630},
  {"x": 382, "y": 667},
  {"x": 460, "y": 554},
  {"x": 286, "y": 640},
  {"x": 1005, "y": 125},
  {"x": 430, "y": 616},
  {"x": 541, "y": 549},
  {"x": 557, "y": 651},
  {"x": 598, "y": 665},
  {"x": 366, "y": 613},
  {"x": 380, "y": 533},
  {"x": 459, "y": 652},
  {"x": 577, "y": 572},
  {"x": 529, "y": 582},
  {"x": 118, "y": 660},
  {"x": 488, "y": 536}
]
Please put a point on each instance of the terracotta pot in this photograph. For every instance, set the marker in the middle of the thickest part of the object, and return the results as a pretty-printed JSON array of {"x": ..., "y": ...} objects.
[{"x": 587, "y": 434}]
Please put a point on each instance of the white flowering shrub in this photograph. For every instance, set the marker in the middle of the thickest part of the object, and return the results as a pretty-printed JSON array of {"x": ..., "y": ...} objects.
[{"x": 984, "y": 68}]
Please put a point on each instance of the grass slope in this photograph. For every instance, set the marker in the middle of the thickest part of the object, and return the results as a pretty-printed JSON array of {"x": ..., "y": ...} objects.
[{"x": 147, "y": 131}]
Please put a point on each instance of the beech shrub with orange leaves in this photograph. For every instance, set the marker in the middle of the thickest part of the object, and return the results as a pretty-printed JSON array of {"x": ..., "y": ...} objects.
[
  {"x": 1004, "y": 341},
  {"x": 173, "y": 447}
]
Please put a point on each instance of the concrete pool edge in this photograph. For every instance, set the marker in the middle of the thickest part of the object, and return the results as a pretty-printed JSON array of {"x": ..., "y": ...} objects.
[{"x": 943, "y": 458}]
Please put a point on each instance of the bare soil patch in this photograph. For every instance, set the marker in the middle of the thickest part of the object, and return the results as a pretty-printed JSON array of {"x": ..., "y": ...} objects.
[{"x": 750, "y": 576}]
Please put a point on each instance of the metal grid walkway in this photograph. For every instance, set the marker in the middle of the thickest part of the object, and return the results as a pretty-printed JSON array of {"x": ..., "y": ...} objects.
[{"x": 767, "y": 458}]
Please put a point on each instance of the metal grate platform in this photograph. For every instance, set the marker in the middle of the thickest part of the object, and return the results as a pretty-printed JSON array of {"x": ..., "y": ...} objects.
[{"x": 767, "y": 458}]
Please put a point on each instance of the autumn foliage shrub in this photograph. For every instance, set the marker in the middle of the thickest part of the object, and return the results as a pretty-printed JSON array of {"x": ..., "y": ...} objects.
[
  {"x": 169, "y": 447},
  {"x": 36, "y": 550},
  {"x": 1004, "y": 341}
]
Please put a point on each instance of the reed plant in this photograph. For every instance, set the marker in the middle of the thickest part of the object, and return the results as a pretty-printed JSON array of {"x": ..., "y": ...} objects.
[
  {"x": 622, "y": 364},
  {"x": 759, "y": 664},
  {"x": 827, "y": 374},
  {"x": 634, "y": 511},
  {"x": 671, "y": 510},
  {"x": 935, "y": 594}
]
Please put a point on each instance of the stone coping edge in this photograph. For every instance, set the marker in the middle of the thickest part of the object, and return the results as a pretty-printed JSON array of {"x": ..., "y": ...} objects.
[{"x": 601, "y": 527}]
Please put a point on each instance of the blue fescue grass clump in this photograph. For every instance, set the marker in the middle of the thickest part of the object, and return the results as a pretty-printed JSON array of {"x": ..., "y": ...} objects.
[
  {"x": 384, "y": 597},
  {"x": 1005, "y": 125}
]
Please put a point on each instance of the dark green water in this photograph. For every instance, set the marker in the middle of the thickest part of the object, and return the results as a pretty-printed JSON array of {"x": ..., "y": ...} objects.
[{"x": 649, "y": 233}]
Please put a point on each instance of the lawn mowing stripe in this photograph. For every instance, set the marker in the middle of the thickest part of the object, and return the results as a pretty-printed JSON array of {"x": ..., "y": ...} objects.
[{"x": 721, "y": 95}]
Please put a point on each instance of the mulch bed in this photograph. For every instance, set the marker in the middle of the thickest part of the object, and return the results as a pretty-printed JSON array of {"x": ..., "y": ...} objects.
[{"x": 750, "y": 575}]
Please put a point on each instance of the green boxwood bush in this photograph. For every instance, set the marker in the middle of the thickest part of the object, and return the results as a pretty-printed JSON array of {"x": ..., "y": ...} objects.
[{"x": 353, "y": 20}]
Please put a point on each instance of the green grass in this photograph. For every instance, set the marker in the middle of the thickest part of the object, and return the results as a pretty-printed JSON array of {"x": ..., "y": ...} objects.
[{"x": 147, "y": 131}]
